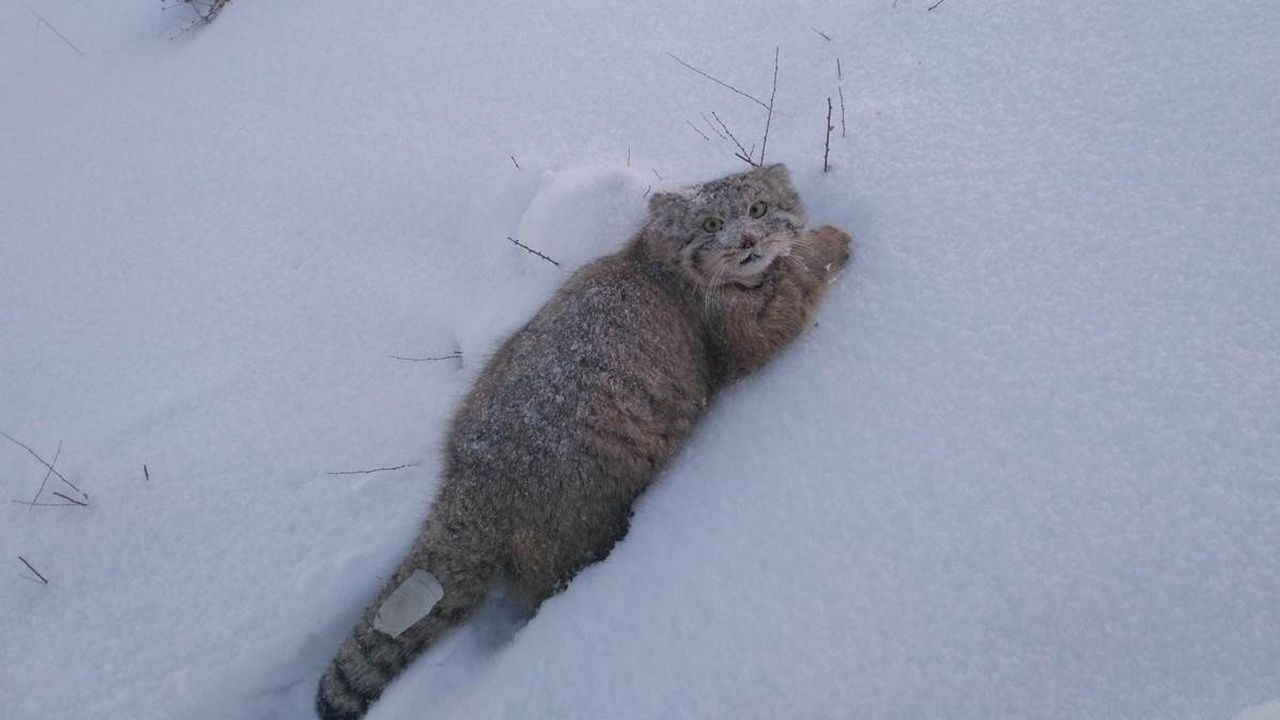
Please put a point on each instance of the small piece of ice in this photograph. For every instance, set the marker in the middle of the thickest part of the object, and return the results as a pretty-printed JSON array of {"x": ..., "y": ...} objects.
[{"x": 408, "y": 603}]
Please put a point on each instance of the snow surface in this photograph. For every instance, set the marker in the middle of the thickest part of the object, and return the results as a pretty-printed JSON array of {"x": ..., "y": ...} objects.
[{"x": 1024, "y": 467}]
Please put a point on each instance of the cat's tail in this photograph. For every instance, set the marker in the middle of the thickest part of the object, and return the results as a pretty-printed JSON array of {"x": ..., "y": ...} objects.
[{"x": 446, "y": 575}]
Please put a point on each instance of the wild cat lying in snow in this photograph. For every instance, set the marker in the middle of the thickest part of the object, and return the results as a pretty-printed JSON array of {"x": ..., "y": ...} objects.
[{"x": 577, "y": 412}]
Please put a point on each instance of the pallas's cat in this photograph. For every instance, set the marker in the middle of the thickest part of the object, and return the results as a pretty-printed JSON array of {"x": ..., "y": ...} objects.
[{"x": 579, "y": 410}]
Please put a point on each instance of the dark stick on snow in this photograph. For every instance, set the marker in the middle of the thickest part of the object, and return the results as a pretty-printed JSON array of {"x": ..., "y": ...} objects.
[
  {"x": 146, "y": 474},
  {"x": 532, "y": 251},
  {"x": 931, "y": 7},
  {"x": 655, "y": 174},
  {"x": 71, "y": 500},
  {"x": 742, "y": 153},
  {"x": 451, "y": 356},
  {"x": 33, "y": 453},
  {"x": 513, "y": 161},
  {"x": 827, "y": 146},
  {"x": 839, "y": 72},
  {"x": 628, "y": 156},
  {"x": 720, "y": 82},
  {"x": 773, "y": 94},
  {"x": 824, "y": 35},
  {"x": 47, "y": 473},
  {"x": 373, "y": 470},
  {"x": 30, "y": 504},
  {"x": 842, "y": 128},
  {"x": 695, "y": 129},
  {"x": 30, "y": 567}
]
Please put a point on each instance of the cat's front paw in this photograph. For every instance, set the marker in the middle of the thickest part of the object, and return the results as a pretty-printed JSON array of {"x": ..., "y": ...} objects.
[{"x": 832, "y": 246}]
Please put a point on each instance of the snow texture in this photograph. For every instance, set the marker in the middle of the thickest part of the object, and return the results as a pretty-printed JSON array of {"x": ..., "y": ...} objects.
[{"x": 1024, "y": 466}]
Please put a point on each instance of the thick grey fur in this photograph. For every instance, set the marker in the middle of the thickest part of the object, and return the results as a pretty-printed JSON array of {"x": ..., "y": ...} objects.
[{"x": 579, "y": 410}]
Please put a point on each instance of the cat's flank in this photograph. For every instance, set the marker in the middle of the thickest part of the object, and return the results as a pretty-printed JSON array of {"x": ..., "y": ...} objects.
[{"x": 579, "y": 410}]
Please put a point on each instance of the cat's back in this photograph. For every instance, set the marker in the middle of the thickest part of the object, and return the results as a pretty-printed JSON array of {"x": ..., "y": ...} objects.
[{"x": 612, "y": 370}]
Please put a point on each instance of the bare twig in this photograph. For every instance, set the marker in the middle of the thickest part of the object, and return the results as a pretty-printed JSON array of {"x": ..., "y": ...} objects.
[
  {"x": 839, "y": 72},
  {"x": 842, "y": 127},
  {"x": 931, "y": 7},
  {"x": 47, "y": 473},
  {"x": 720, "y": 82},
  {"x": 513, "y": 161},
  {"x": 210, "y": 11},
  {"x": 146, "y": 474},
  {"x": 773, "y": 94},
  {"x": 826, "y": 150},
  {"x": 33, "y": 453},
  {"x": 532, "y": 251},
  {"x": 628, "y": 156},
  {"x": 656, "y": 174},
  {"x": 824, "y": 35},
  {"x": 70, "y": 499},
  {"x": 742, "y": 153},
  {"x": 30, "y": 567},
  {"x": 40, "y": 19},
  {"x": 30, "y": 504},
  {"x": 713, "y": 127},
  {"x": 371, "y": 471},
  {"x": 647, "y": 190},
  {"x": 211, "y": 8},
  {"x": 451, "y": 356},
  {"x": 695, "y": 129}
]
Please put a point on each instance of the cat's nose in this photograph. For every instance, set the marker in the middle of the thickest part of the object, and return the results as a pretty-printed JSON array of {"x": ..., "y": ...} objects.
[{"x": 748, "y": 241}]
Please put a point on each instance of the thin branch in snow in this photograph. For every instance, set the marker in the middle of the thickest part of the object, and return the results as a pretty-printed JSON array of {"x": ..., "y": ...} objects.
[
  {"x": 713, "y": 127},
  {"x": 931, "y": 7},
  {"x": 210, "y": 10},
  {"x": 720, "y": 82},
  {"x": 146, "y": 474},
  {"x": 656, "y": 174},
  {"x": 695, "y": 129},
  {"x": 839, "y": 72},
  {"x": 842, "y": 127},
  {"x": 40, "y": 19},
  {"x": 47, "y": 473},
  {"x": 827, "y": 145},
  {"x": 628, "y": 156},
  {"x": 824, "y": 35},
  {"x": 71, "y": 500},
  {"x": 32, "y": 568},
  {"x": 513, "y": 161},
  {"x": 371, "y": 471},
  {"x": 742, "y": 153},
  {"x": 532, "y": 251},
  {"x": 30, "y": 504},
  {"x": 33, "y": 453},
  {"x": 456, "y": 354},
  {"x": 773, "y": 94}
]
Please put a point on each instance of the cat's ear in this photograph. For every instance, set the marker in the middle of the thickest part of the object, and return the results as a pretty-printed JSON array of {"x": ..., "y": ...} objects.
[
  {"x": 777, "y": 173},
  {"x": 661, "y": 203}
]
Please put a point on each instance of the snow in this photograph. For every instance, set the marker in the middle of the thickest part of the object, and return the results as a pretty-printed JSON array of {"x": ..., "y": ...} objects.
[{"x": 1024, "y": 466}]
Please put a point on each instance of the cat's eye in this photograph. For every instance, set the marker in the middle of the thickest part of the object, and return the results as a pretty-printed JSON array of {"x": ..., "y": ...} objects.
[
  {"x": 712, "y": 224},
  {"x": 758, "y": 209}
]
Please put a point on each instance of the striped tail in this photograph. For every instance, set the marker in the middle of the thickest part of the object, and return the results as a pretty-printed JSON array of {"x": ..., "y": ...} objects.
[{"x": 372, "y": 657}]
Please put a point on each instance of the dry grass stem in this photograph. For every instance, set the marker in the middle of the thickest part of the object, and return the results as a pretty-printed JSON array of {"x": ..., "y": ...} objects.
[
  {"x": 532, "y": 251},
  {"x": 720, "y": 82}
]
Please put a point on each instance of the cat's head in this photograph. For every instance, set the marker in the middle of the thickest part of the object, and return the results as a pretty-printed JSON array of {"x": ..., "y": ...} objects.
[{"x": 726, "y": 231}]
